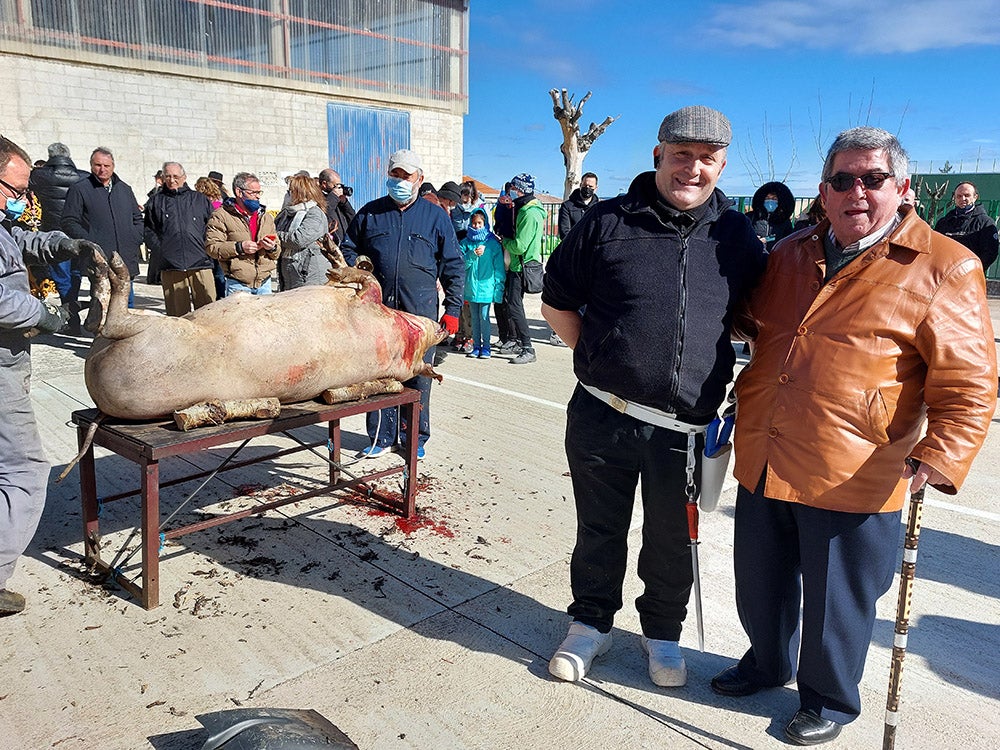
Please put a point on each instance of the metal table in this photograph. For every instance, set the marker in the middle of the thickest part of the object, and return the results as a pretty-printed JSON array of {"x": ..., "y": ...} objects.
[{"x": 145, "y": 443}]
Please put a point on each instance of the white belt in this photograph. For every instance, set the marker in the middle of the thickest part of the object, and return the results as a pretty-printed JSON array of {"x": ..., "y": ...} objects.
[{"x": 644, "y": 413}]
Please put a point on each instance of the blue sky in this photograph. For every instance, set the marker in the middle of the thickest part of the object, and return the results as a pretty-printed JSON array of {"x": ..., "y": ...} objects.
[{"x": 789, "y": 76}]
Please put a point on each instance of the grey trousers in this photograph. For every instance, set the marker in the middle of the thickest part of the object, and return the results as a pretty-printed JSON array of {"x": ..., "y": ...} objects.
[{"x": 24, "y": 470}]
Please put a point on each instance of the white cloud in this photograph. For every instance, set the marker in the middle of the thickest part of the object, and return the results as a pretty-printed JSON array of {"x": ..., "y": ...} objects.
[{"x": 859, "y": 26}]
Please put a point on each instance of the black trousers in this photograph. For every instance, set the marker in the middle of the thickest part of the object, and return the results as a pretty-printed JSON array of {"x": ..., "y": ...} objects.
[
  {"x": 504, "y": 331},
  {"x": 513, "y": 296},
  {"x": 608, "y": 454},
  {"x": 838, "y": 564}
]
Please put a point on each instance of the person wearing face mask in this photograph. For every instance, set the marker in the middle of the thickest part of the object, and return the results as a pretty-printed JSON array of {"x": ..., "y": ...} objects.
[
  {"x": 969, "y": 224},
  {"x": 772, "y": 207},
  {"x": 242, "y": 236},
  {"x": 468, "y": 202},
  {"x": 412, "y": 246},
  {"x": 24, "y": 469},
  {"x": 578, "y": 203}
]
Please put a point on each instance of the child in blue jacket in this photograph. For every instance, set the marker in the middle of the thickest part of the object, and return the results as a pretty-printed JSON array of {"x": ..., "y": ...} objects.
[{"x": 484, "y": 278}]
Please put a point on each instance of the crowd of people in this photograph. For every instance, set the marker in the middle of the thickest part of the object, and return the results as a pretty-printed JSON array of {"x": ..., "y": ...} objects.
[{"x": 648, "y": 289}]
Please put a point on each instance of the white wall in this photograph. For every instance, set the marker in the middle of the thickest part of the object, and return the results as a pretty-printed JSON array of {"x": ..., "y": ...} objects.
[{"x": 148, "y": 118}]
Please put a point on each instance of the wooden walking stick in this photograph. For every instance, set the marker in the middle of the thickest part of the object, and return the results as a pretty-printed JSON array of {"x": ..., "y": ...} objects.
[{"x": 906, "y": 574}]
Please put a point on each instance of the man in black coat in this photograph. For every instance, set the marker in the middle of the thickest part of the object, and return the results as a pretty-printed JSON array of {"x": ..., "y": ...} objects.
[
  {"x": 103, "y": 209},
  {"x": 578, "y": 203},
  {"x": 176, "y": 217},
  {"x": 339, "y": 211},
  {"x": 969, "y": 224},
  {"x": 50, "y": 183}
]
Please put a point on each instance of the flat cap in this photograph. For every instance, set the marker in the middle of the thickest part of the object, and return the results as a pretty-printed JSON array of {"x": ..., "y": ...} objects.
[
  {"x": 696, "y": 124},
  {"x": 406, "y": 160}
]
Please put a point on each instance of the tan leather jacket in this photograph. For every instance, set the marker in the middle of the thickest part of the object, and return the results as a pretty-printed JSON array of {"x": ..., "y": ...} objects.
[
  {"x": 843, "y": 374},
  {"x": 225, "y": 229}
]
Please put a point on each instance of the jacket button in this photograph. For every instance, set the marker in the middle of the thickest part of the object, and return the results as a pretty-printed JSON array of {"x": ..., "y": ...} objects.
[
  {"x": 773, "y": 432},
  {"x": 783, "y": 378},
  {"x": 814, "y": 286},
  {"x": 802, "y": 330}
]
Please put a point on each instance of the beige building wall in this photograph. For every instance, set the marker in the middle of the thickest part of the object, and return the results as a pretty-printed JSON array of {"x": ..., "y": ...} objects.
[{"x": 147, "y": 118}]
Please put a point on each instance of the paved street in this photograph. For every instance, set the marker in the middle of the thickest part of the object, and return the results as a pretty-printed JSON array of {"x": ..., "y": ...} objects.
[{"x": 436, "y": 633}]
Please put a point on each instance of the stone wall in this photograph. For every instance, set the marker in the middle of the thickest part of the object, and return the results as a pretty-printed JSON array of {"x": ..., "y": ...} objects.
[{"x": 146, "y": 118}]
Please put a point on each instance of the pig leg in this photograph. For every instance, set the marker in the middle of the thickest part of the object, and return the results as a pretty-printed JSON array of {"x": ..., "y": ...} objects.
[
  {"x": 368, "y": 288},
  {"x": 100, "y": 293},
  {"x": 119, "y": 321}
]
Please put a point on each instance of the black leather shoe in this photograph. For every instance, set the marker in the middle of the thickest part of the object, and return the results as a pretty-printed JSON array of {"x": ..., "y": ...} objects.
[
  {"x": 731, "y": 682},
  {"x": 809, "y": 728}
]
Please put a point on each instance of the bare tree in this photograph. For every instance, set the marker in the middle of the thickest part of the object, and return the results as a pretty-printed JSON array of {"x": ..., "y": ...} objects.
[{"x": 574, "y": 146}]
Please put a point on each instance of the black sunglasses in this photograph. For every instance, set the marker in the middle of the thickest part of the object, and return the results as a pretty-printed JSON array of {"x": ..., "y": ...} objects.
[{"x": 842, "y": 182}]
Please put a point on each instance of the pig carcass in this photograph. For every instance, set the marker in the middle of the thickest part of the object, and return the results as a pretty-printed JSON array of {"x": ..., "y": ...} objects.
[{"x": 292, "y": 346}]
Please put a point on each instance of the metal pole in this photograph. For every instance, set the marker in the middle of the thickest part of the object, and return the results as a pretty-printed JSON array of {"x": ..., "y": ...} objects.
[{"x": 906, "y": 575}]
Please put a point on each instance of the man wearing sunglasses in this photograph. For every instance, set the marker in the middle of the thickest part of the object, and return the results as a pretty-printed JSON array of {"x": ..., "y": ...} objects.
[
  {"x": 24, "y": 469},
  {"x": 863, "y": 326}
]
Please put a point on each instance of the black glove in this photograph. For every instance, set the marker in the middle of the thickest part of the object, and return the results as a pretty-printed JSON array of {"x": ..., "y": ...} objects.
[
  {"x": 53, "y": 318},
  {"x": 69, "y": 248}
]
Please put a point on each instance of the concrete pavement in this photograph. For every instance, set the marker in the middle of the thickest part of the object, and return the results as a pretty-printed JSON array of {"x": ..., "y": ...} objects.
[{"x": 436, "y": 634}]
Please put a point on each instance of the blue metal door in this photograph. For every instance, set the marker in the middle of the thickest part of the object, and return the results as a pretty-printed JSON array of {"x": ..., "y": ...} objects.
[{"x": 361, "y": 141}]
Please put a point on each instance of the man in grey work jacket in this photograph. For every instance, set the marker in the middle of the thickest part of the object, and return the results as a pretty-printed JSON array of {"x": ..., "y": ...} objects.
[
  {"x": 658, "y": 272},
  {"x": 24, "y": 470},
  {"x": 411, "y": 245}
]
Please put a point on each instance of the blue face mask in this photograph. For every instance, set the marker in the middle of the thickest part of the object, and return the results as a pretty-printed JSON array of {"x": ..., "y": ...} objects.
[
  {"x": 477, "y": 235},
  {"x": 770, "y": 206},
  {"x": 400, "y": 190},
  {"x": 252, "y": 206},
  {"x": 13, "y": 209}
]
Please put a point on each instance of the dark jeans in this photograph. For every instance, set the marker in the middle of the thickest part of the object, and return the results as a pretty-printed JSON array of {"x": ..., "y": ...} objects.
[
  {"x": 67, "y": 276},
  {"x": 838, "y": 564},
  {"x": 608, "y": 452},
  {"x": 383, "y": 426},
  {"x": 513, "y": 296}
]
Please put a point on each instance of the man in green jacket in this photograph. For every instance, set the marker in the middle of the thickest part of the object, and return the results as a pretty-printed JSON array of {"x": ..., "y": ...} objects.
[{"x": 524, "y": 248}]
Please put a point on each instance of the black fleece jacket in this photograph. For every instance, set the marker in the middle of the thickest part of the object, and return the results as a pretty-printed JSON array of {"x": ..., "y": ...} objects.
[
  {"x": 660, "y": 288},
  {"x": 975, "y": 229}
]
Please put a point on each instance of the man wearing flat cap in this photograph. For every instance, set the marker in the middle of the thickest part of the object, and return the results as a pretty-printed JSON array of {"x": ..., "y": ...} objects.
[
  {"x": 658, "y": 273},
  {"x": 412, "y": 245}
]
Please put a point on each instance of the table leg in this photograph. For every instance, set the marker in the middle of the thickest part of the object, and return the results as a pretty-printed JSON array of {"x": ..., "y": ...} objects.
[
  {"x": 88, "y": 499},
  {"x": 411, "y": 414},
  {"x": 150, "y": 534},
  {"x": 334, "y": 446}
]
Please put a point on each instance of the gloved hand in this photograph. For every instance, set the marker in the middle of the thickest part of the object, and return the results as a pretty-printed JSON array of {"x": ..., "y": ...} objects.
[
  {"x": 450, "y": 323},
  {"x": 69, "y": 248},
  {"x": 53, "y": 318}
]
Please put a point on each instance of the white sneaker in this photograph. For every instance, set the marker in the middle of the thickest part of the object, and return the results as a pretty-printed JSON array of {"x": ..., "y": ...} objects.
[
  {"x": 666, "y": 665},
  {"x": 572, "y": 660}
]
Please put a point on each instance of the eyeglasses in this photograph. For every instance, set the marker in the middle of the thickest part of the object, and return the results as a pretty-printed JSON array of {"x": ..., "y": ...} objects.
[
  {"x": 17, "y": 194},
  {"x": 173, "y": 177},
  {"x": 842, "y": 182},
  {"x": 253, "y": 193}
]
